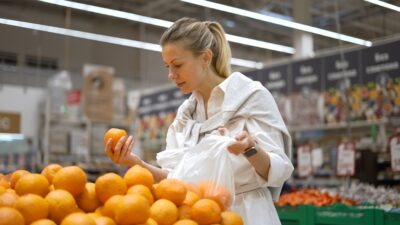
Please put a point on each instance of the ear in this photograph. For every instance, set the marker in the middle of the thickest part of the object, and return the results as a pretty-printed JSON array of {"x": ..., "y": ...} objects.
[{"x": 207, "y": 56}]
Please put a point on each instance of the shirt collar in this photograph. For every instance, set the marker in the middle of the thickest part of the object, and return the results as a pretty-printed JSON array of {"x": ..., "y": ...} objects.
[{"x": 220, "y": 87}]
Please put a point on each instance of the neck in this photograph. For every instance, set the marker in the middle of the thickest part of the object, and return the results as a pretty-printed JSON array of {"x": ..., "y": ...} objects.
[{"x": 213, "y": 81}]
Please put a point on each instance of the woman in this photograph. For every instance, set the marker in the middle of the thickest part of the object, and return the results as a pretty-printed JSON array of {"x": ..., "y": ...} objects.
[{"x": 197, "y": 56}]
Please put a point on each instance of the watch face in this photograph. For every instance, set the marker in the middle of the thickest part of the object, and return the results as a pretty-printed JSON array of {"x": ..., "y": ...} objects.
[{"x": 250, "y": 152}]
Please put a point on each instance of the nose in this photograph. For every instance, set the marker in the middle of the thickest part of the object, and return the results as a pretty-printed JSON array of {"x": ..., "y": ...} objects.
[{"x": 171, "y": 74}]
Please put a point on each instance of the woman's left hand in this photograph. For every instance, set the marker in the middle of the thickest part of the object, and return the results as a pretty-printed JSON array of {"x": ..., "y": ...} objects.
[{"x": 243, "y": 142}]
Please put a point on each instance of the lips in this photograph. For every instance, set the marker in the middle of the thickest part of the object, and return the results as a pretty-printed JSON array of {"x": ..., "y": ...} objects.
[{"x": 180, "y": 84}]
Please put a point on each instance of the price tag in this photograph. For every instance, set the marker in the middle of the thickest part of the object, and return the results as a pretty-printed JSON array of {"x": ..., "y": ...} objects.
[
  {"x": 304, "y": 160},
  {"x": 395, "y": 153},
  {"x": 346, "y": 158}
]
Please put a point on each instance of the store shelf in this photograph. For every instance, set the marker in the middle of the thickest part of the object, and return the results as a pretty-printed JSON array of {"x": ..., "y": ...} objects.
[{"x": 354, "y": 124}]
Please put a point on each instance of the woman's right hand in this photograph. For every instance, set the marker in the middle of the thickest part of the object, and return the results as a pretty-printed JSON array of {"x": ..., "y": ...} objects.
[{"x": 122, "y": 153}]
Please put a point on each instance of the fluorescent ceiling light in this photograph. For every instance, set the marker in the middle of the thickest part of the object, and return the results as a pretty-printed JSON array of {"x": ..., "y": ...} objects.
[
  {"x": 247, "y": 63},
  {"x": 110, "y": 12},
  {"x": 259, "y": 44},
  {"x": 164, "y": 23},
  {"x": 384, "y": 4},
  {"x": 278, "y": 21},
  {"x": 109, "y": 39}
]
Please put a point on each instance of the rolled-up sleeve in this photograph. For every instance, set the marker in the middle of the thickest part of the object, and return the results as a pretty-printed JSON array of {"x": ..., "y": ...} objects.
[{"x": 271, "y": 141}]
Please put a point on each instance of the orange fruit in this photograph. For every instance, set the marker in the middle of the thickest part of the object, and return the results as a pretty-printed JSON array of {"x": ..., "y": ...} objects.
[
  {"x": 185, "y": 222},
  {"x": 108, "y": 185},
  {"x": 8, "y": 198},
  {"x": 138, "y": 175},
  {"x": 206, "y": 211},
  {"x": 78, "y": 219},
  {"x": 191, "y": 198},
  {"x": 70, "y": 178},
  {"x": 218, "y": 193},
  {"x": 103, "y": 220},
  {"x": 164, "y": 212},
  {"x": 150, "y": 221},
  {"x": 87, "y": 200},
  {"x": 94, "y": 215},
  {"x": 61, "y": 204},
  {"x": 32, "y": 207},
  {"x": 132, "y": 205},
  {"x": 99, "y": 209},
  {"x": 171, "y": 189},
  {"x": 16, "y": 175},
  {"x": 32, "y": 183},
  {"x": 110, "y": 206},
  {"x": 114, "y": 134},
  {"x": 184, "y": 212},
  {"x": 231, "y": 218},
  {"x": 4, "y": 182},
  {"x": 141, "y": 190},
  {"x": 43, "y": 222},
  {"x": 2, "y": 189},
  {"x": 10, "y": 216},
  {"x": 50, "y": 170},
  {"x": 193, "y": 188}
]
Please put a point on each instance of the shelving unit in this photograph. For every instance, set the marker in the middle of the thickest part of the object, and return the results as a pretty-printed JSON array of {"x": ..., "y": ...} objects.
[
  {"x": 76, "y": 140},
  {"x": 370, "y": 136}
]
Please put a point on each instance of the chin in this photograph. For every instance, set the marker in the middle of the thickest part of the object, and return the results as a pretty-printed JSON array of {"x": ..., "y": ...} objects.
[{"x": 185, "y": 91}]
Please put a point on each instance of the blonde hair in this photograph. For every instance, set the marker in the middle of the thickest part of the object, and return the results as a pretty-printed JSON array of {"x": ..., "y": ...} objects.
[{"x": 198, "y": 36}]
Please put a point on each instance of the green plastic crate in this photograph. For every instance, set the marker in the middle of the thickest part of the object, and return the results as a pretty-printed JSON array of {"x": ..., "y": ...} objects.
[
  {"x": 340, "y": 214},
  {"x": 294, "y": 215},
  {"x": 391, "y": 218}
]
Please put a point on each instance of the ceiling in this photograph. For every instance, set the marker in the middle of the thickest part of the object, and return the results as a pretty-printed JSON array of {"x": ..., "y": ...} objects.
[{"x": 356, "y": 18}]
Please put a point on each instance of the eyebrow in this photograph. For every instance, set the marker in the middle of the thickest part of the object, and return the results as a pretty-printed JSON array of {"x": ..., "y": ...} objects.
[{"x": 172, "y": 60}]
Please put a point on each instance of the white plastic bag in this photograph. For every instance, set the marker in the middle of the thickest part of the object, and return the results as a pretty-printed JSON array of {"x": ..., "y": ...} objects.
[{"x": 208, "y": 167}]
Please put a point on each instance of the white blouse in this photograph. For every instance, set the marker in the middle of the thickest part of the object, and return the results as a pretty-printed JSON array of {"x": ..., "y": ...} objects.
[{"x": 237, "y": 104}]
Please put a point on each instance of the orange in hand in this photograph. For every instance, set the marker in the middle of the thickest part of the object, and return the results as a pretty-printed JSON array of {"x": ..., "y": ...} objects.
[{"x": 114, "y": 134}]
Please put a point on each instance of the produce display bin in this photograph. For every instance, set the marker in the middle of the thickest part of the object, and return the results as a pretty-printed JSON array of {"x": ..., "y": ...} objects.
[
  {"x": 391, "y": 218},
  {"x": 294, "y": 215},
  {"x": 340, "y": 214}
]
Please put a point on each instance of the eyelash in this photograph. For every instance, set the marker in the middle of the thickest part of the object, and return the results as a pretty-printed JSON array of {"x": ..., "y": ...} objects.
[{"x": 177, "y": 66}]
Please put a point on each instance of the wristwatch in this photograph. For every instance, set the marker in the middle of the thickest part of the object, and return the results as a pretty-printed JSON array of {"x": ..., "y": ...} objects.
[{"x": 251, "y": 151}]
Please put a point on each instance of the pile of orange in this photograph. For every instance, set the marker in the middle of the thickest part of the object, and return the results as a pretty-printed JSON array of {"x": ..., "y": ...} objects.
[{"x": 64, "y": 196}]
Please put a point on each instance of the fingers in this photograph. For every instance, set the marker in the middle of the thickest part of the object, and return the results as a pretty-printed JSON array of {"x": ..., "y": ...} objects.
[
  {"x": 242, "y": 143},
  {"x": 118, "y": 149},
  {"x": 222, "y": 130},
  {"x": 126, "y": 149},
  {"x": 241, "y": 135},
  {"x": 109, "y": 150}
]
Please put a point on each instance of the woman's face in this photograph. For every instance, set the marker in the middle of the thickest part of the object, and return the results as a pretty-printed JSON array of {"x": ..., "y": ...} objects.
[{"x": 185, "y": 69}]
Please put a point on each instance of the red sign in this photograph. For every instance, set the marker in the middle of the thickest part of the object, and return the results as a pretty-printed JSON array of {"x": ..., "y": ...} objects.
[{"x": 74, "y": 97}]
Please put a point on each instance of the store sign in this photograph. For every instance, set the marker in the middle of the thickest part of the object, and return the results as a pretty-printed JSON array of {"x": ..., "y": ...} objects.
[
  {"x": 346, "y": 159},
  {"x": 394, "y": 145},
  {"x": 254, "y": 75},
  {"x": 160, "y": 101},
  {"x": 10, "y": 122},
  {"x": 304, "y": 160},
  {"x": 381, "y": 63},
  {"x": 341, "y": 71},
  {"x": 275, "y": 79},
  {"x": 306, "y": 75}
]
